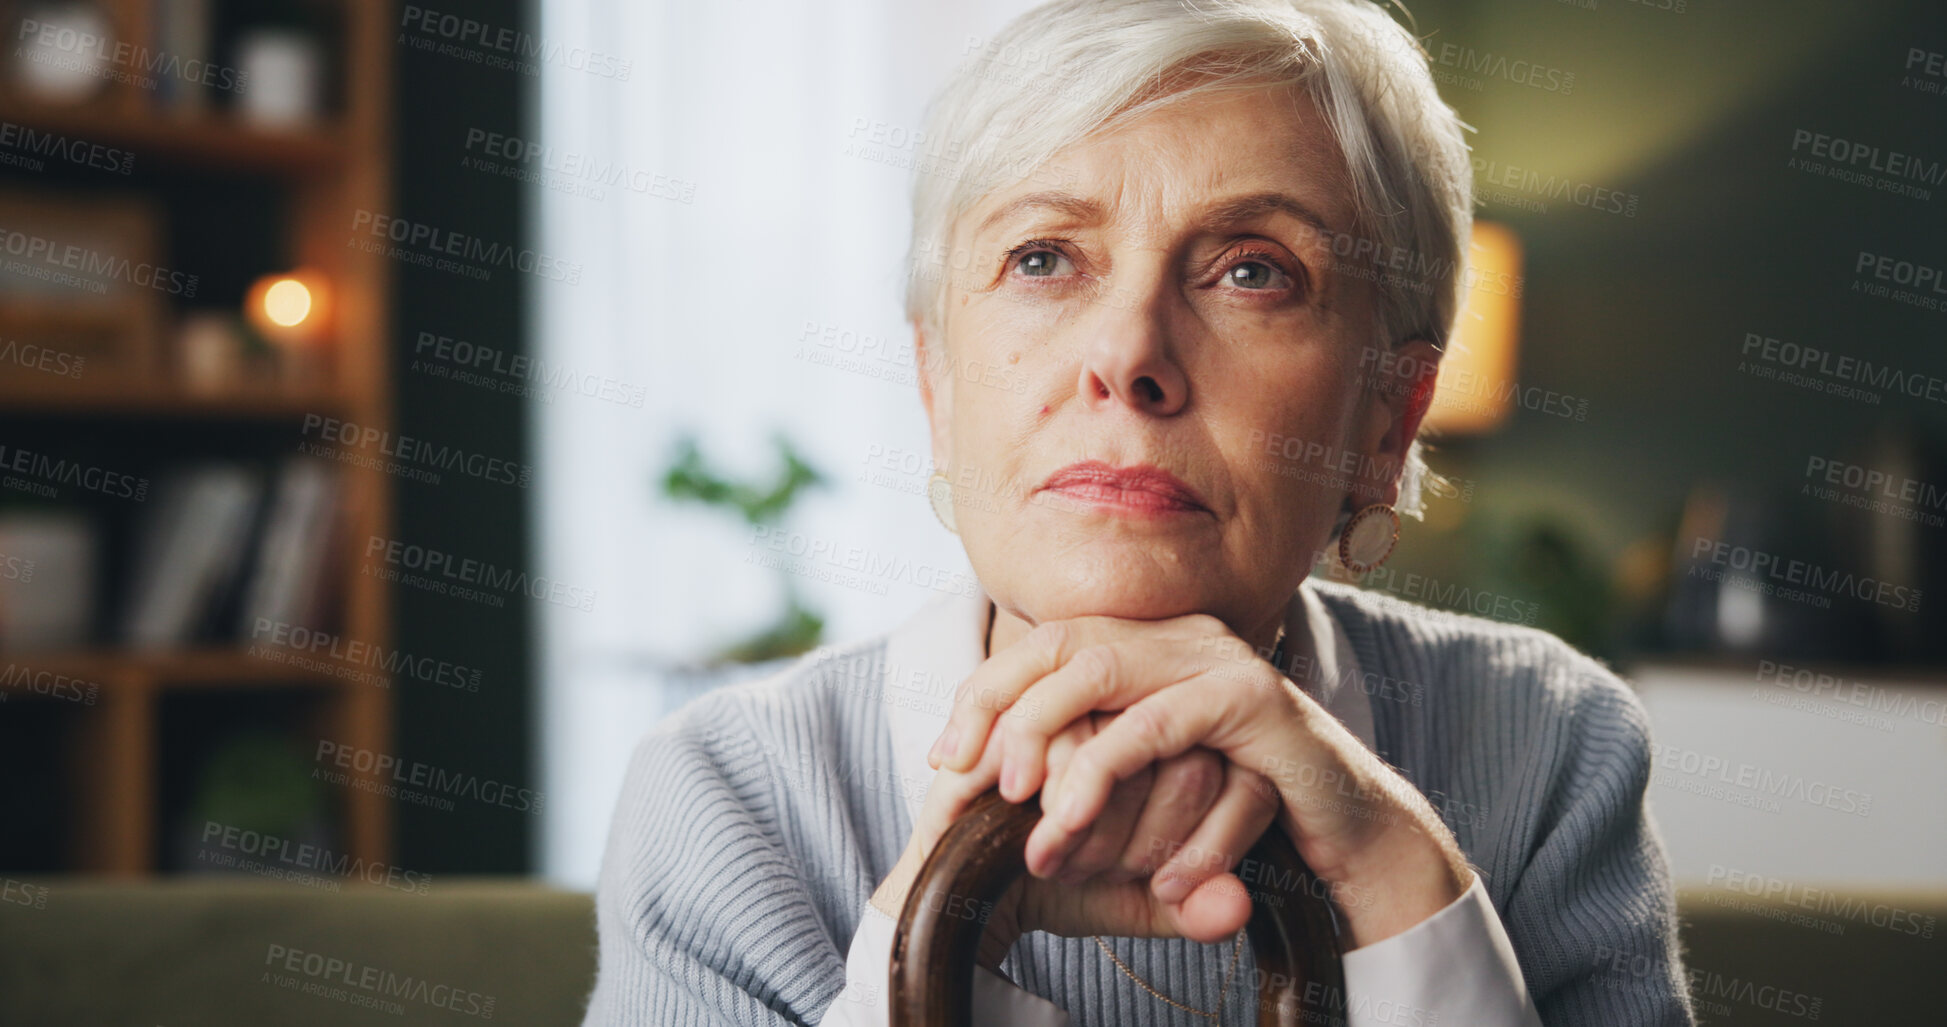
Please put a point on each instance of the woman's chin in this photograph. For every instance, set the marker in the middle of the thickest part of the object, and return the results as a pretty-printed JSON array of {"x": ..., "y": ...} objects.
[
  {"x": 1154, "y": 597},
  {"x": 1055, "y": 576}
]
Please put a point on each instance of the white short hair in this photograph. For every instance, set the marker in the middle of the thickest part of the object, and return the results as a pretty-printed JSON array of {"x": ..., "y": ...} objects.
[{"x": 1072, "y": 67}]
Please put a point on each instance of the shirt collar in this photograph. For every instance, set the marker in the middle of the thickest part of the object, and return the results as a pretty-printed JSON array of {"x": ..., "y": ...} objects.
[{"x": 929, "y": 656}]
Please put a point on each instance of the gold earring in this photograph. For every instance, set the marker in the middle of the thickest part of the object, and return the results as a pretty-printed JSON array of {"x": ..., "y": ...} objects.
[
  {"x": 1368, "y": 538},
  {"x": 939, "y": 493}
]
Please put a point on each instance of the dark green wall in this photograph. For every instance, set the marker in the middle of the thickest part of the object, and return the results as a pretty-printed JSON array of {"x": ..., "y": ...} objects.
[
  {"x": 1694, "y": 114},
  {"x": 439, "y": 99}
]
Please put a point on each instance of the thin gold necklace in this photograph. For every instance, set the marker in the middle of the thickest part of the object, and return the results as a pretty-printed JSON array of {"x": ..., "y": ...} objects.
[{"x": 1235, "y": 948}]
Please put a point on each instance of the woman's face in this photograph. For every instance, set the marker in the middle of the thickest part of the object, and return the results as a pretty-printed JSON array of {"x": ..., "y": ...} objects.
[{"x": 1164, "y": 295}]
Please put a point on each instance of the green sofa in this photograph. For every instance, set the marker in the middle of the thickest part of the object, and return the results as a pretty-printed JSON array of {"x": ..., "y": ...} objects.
[{"x": 192, "y": 952}]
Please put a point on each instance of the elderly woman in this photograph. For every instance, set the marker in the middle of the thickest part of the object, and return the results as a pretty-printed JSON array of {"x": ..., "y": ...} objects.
[{"x": 1191, "y": 233}]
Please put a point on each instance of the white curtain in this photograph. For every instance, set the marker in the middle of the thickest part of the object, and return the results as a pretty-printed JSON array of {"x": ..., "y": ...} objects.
[{"x": 741, "y": 274}]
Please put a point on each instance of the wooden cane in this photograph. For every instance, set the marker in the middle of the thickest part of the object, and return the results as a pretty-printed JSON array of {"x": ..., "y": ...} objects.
[{"x": 1293, "y": 932}]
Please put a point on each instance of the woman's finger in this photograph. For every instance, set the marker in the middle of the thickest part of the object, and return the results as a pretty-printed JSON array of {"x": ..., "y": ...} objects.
[
  {"x": 1101, "y": 847},
  {"x": 1133, "y": 793},
  {"x": 948, "y": 796},
  {"x": 1218, "y": 909},
  {"x": 1213, "y": 913},
  {"x": 996, "y": 686},
  {"x": 1060, "y": 749},
  {"x": 1108, "y": 676},
  {"x": 1185, "y": 789},
  {"x": 993, "y": 687},
  {"x": 1242, "y": 813},
  {"x": 1231, "y": 717}
]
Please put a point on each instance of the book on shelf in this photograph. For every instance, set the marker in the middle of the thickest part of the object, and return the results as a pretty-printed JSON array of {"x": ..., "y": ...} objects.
[
  {"x": 182, "y": 30},
  {"x": 287, "y": 585},
  {"x": 187, "y": 549},
  {"x": 228, "y": 545}
]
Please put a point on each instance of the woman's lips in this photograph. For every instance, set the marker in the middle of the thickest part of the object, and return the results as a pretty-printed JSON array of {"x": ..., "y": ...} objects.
[{"x": 1143, "y": 490}]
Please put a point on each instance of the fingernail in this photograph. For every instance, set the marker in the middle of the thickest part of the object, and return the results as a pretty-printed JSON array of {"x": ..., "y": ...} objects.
[
  {"x": 1171, "y": 888},
  {"x": 943, "y": 746}
]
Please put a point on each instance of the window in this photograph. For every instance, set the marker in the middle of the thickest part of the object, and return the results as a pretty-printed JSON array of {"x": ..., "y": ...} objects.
[{"x": 734, "y": 182}]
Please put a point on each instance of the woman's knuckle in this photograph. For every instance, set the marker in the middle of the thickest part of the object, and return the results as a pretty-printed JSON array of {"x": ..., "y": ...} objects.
[
  {"x": 1051, "y": 635},
  {"x": 1261, "y": 792},
  {"x": 1195, "y": 778},
  {"x": 1265, "y": 790},
  {"x": 1146, "y": 725},
  {"x": 1097, "y": 663},
  {"x": 1086, "y": 765},
  {"x": 1017, "y": 732}
]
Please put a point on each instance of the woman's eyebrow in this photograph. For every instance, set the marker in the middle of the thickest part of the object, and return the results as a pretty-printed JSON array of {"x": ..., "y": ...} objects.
[
  {"x": 1225, "y": 212},
  {"x": 1075, "y": 207},
  {"x": 1246, "y": 208}
]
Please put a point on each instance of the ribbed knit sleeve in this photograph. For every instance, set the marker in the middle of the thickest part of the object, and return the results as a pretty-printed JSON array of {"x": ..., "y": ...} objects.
[
  {"x": 1593, "y": 915},
  {"x": 739, "y": 859},
  {"x": 1538, "y": 758}
]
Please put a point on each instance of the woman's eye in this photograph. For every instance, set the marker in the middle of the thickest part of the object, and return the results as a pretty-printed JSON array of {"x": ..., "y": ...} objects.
[
  {"x": 1043, "y": 264},
  {"x": 1256, "y": 274}
]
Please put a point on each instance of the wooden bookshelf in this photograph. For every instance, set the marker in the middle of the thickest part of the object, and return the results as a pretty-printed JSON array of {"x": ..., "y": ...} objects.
[
  {"x": 151, "y": 399},
  {"x": 206, "y": 141},
  {"x": 112, "y": 771},
  {"x": 112, "y": 763},
  {"x": 179, "y": 668}
]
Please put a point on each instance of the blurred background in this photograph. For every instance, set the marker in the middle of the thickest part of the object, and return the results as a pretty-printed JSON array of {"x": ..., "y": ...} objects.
[{"x": 403, "y": 407}]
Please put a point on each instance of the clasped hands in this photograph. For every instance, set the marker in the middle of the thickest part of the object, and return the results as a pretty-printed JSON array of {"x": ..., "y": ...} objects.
[{"x": 1162, "y": 751}]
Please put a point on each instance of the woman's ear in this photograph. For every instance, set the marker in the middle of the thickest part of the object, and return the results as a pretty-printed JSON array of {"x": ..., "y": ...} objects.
[
  {"x": 928, "y": 356},
  {"x": 1418, "y": 361},
  {"x": 1399, "y": 382}
]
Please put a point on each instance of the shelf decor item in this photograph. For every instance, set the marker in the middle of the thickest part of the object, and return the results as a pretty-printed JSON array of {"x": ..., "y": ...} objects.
[
  {"x": 210, "y": 351},
  {"x": 256, "y": 784},
  {"x": 85, "y": 284},
  {"x": 47, "y": 578},
  {"x": 61, "y": 51},
  {"x": 285, "y": 72}
]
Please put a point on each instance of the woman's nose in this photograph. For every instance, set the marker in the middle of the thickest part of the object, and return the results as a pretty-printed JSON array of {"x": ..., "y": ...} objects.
[{"x": 1130, "y": 362}]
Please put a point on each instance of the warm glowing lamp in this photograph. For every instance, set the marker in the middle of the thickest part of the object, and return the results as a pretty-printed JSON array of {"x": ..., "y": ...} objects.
[
  {"x": 288, "y": 308},
  {"x": 1477, "y": 373},
  {"x": 287, "y": 302}
]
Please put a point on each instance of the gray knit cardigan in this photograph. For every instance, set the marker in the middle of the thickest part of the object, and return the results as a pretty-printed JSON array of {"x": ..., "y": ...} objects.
[{"x": 756, "y": 822}]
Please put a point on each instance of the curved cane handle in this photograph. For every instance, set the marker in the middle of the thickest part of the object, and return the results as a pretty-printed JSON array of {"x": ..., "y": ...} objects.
[{"x": 1293, "y": 933}]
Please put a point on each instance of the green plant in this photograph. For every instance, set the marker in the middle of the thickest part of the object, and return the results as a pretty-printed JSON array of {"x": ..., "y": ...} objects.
[
  {"x": 258, "y": 780},
  {"x": 689, "y": 479},
  {"x": 798, "y": 627}
]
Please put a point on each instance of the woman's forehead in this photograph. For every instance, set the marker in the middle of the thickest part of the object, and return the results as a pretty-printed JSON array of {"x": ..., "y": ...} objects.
[{"x": 1203, "y": 160}]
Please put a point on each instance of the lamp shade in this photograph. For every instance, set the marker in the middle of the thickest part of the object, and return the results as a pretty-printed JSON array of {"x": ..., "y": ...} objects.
[{"x": 1477, "y": 383}]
